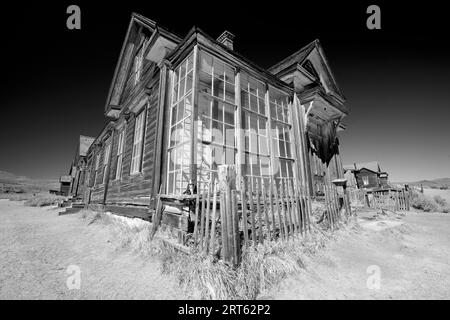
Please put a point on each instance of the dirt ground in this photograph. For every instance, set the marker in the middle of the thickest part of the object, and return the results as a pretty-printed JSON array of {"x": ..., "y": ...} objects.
[
  {"x": 410, "y": 254},
  {"x": 37, "y": 247}
]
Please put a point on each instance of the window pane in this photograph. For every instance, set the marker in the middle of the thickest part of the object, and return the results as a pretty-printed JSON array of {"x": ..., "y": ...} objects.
[
  {"x": 181, "y": 91},
  {"x": 253, "y": 103},
  {"x": 244, "y": 100},
  {"x": 229, "y": 74},
  {"x": 265, "y": 166},
  {"x": 218, "y": 69},
  {"x": 205, "y": 62},
  {"x": 253, "y": 142},
  {"x": 204, "y": 106},
  {"x": 171, "y": 187},
  {"x": 229, "y": 93},
  {"x": 206, "y": 130},
  {"x": 205, "y": 83},
  {"x": 229, "y": 156},
  {"x": 282, "y": 149},
  {"x": 180, "y": 114},
  {"x": 190, "y": 63},
  {"x": 183, "y": 70},
  {"x": 217, "y": 133},
  {"x": 218, "y": 87},
  {"x": 261, "y": 106},
  {"x": 217, "y": 156},
  {"x": 189, "y": 81},
  {"x": 188, "y": 105},
  {"x": 229, "y": 114},
  {"x": 229, "y": 135},
  {"x": 263, "y": 146}
]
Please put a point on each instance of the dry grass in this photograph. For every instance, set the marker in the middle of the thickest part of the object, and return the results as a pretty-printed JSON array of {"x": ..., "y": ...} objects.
[
  {"x": 16, "y": 196},
  {"x": 262, "y": 266},
  {"x": 429, "y": 204},
  {"x": 34, "y": 199},
  {"x": 43, "y": 199},
  {"x": 130, "y": 234}
]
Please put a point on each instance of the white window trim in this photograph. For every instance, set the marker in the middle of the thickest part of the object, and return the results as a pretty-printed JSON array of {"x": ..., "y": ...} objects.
[
  {"x": 97, "y": 166},
  {"x": 138, "y": 139},
  {"x": 106, "y": 161},
  {"x": 120, "y": 149},
  {"x": 365, "y": 180}
]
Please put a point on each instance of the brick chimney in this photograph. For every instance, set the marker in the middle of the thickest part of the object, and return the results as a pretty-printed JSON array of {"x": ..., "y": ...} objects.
[{"x": 226, "y": 38}]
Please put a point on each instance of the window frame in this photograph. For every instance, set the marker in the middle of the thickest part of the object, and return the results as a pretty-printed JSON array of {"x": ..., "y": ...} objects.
[
  {"x": 136, "y": 160},
  {"x": 106, "y": 156},
  {"x": 216, "y": 98},
  {"x": 96, "y": 168},
  {"x": 119, "y": 155},
  {"x": 180, "y": 127}
]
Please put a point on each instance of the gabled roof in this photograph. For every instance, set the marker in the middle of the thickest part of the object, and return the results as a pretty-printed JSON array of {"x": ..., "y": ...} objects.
[
  {"x": 117, "y": 82},
  {"x": 297, "y": 57},
  {"x": 312, "y": 62},
  {"x": 371, "y": 166}
]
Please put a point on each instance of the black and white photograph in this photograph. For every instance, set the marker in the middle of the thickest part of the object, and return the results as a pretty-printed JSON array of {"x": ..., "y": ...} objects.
[{"x": 221, "y": 150}]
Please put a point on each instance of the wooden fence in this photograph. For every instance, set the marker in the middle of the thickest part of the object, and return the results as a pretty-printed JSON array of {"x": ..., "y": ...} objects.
[
  {"x": 389, "y": 199},
  {"x": 229, "y": 216}
]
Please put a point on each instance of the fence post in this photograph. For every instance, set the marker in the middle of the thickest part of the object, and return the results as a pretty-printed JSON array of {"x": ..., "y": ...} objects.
[{"x": 227, "y": 183}]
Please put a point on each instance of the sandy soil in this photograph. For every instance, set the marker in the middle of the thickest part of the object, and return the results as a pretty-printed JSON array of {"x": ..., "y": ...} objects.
[
  {"x": 412, "y": 255},
  {"x": 37, "y": 246}
]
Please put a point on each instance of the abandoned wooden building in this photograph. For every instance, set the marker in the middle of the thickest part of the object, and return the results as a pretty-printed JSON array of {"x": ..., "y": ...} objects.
[
  {"x": 178, "y": 108},
  {"x": 78, "y": 167},
  {"x": 367, "y": 176}
]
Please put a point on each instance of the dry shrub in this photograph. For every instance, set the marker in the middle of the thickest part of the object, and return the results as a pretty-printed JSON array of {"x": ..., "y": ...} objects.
[
  {"x": 132, "y": 234},
  {"x": 440, "y": 201},
  {"x": 428, "y": 204},
  {"x": 262, "y": 267},
  {"x": 16, "y": 196},
  {"x": 200, "y": 277},
  {"x": 43, "y": 199}
]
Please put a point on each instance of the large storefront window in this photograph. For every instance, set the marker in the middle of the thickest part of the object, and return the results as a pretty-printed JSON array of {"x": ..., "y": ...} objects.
[
  {"x": 216, "y": 117},
  {"x": 280, "y": 123},
  {"x": 254, "y": 126},
  {"x": 180, "y": 127}
]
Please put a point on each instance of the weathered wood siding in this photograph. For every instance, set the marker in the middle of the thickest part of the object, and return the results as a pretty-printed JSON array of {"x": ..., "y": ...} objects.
[
  {"x": 373, "y": 179},
  {"x": 97, "y": 190},
  {"x": 136, "y": 189}
]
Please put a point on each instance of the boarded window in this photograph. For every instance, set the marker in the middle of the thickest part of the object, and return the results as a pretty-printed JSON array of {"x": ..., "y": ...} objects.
[{"x": 136, "y": 157}]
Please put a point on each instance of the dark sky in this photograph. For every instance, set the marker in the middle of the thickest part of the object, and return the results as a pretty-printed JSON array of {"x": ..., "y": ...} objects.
[{"x": 396, "y": 80}]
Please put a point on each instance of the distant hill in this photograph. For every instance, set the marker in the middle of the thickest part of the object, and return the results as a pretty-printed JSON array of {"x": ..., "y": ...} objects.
[
  {"x": 12, "y": 182},
  {"x": 435, "y": 183}
]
